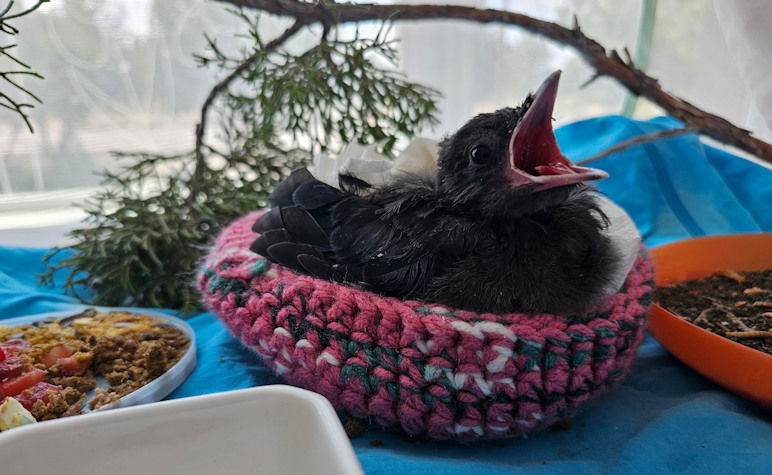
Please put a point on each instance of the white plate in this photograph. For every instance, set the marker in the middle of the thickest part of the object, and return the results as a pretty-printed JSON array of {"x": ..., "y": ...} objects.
[
  {"x": 156, "y": 389},
  {"x": 267, "y": 430}
]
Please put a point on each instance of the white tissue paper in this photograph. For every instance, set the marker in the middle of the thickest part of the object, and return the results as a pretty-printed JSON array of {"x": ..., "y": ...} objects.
[
  {"x": 626, "y": 240},
  {"x": 363, "y": 162}
]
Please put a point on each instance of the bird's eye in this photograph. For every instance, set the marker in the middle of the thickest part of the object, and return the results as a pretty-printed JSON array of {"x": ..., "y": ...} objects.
[{"x": 480, "y": 154}]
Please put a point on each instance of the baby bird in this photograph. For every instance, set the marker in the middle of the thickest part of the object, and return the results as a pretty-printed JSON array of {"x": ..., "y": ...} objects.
[{"x": 507, "y": 223}]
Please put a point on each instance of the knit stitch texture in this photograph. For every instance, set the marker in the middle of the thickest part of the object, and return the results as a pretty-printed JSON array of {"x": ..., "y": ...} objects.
[{"x": 430, "y": 370}]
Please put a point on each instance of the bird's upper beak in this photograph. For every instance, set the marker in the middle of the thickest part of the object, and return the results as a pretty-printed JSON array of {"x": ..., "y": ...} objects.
[{"x": 534, "y": 156}]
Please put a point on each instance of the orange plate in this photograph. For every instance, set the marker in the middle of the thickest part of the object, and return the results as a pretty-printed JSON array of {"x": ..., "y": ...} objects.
[{"x": 740, "y": 369}]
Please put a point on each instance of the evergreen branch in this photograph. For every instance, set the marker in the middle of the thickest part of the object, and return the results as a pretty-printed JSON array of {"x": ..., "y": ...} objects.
[
  {"x": 11, "y": 106},
  {"x": 6, "y": 9},
  {"x": 605, "y": 63},
  {"x": 17, "y": 107},
  {"x": 331, "y": 94},
  {"x": 4, "y": 52},
  {"x": 5, "y": 77},
  {"x": 222, "y": 86},
  {"x": 147, "y": 228},
  {"x": 31, "y": 9},
  {"x": 6, "y": 28}
]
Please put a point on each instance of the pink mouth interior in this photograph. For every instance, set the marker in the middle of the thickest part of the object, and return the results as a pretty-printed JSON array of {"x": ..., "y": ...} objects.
[{"x": 535, "y": 158}]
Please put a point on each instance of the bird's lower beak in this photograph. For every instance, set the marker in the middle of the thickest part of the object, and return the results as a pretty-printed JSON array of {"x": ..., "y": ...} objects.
[{"x": 535, "y": 159}]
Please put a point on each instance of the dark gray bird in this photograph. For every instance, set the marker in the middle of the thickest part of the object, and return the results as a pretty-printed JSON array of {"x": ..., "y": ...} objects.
[{"x": 507, "y": 224}]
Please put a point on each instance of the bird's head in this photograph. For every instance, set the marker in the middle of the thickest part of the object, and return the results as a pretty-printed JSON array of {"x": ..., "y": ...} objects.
[{"x": 508, "y": 162}]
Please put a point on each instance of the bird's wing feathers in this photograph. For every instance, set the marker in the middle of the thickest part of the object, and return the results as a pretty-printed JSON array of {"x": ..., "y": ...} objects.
[
  {"x": 291, "y": 234},
  {"x": 302, "y": 227},
  {"x": 282, "y": 194},
  {"x": 391, "y": 256},
  {"x": 332, "y": 234}
]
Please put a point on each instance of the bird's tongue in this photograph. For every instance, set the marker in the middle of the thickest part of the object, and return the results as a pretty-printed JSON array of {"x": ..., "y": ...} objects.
[{"x": 535, "y": 158}]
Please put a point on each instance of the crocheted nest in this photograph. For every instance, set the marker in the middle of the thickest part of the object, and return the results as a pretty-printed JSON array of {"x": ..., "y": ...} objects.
[{"x": 431, "y": 370}]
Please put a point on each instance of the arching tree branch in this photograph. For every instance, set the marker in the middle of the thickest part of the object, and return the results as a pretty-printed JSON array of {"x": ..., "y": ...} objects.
[
  {"x": 637, "y": 140},
  {"x": 605, "y": 63}
]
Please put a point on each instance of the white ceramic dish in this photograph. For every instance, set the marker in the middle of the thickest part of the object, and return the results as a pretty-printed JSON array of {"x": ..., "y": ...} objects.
[
  {"x": 265, "y": 430},
  {"x": 154, "y": 390}
]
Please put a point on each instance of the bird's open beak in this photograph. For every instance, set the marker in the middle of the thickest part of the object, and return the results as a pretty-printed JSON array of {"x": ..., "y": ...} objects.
[{"x": 535, "y": 159}]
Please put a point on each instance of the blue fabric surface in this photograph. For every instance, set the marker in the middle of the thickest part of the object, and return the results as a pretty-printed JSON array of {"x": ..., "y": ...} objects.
[
  {"x": 664, "y": 418},
  {"x": 674, "y": 188}
]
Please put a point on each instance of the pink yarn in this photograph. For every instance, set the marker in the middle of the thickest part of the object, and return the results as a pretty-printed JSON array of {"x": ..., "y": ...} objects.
[{"x": 429, "y": 369}]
